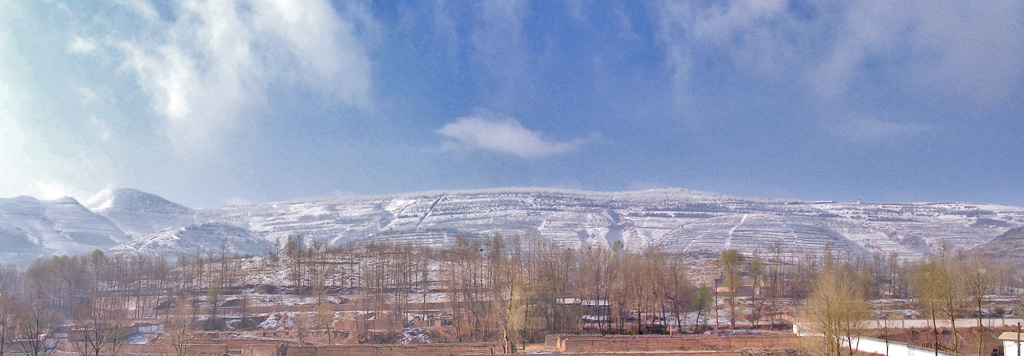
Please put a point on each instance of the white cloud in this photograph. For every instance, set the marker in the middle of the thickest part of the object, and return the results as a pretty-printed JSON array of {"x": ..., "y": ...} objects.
[
  {"x": 102, "y": 129},
  {"x": 80, "y": 45},
  {"x": 51, "y": 190},
  {"x": 921, "y": 48},
  {"x": 491, "y": 132},
  {"x": 210, "y": 67},
  {"x": 141, "y": 8},
  {"x": 755, "y": 35},
  {"x": 966, "y": 49},
  {"x": 499, "y": 45},
  {"x": 40, "y": 155},
  {"x": 31, "y": 165},
  {"x": 867, "y": 128}
]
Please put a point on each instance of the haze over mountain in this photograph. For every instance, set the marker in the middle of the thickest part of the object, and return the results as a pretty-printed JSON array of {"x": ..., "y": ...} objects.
[
  {"x": 671, "y": 220},
  {"x": 1006, "y": 249},
  {"x": 32, "y": 228},
  {"x": 138, "y": 213},
  {"x": 206, "y": 238}
]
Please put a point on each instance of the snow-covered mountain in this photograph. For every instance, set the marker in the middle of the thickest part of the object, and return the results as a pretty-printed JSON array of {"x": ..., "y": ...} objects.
[
  {"x": 1005, "y": 249},
  {"x": 205, "y": 238},
  {"x": 672, "y": 220},
  {"x": 668, "y": 219},
  {"x": 30, "y": 228},
  {"x": 139, "y": 213}
]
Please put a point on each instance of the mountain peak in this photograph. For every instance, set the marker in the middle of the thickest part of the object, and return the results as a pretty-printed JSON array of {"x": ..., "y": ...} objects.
[
  {"x": 127, "y": 199},
  {"x": 138, "y": 213}
]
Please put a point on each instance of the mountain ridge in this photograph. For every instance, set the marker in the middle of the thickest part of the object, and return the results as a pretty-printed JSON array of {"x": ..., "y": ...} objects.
[
  {"x": 138, "y": 213},
  {"x": 671, "y": 219}
]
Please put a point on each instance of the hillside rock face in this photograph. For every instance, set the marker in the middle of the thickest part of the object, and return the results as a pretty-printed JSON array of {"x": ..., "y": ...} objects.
[
  {"x": 203, "y": 239},
  {"x": 670, "y": 220},
  {"x": 1007, "y": 248}
]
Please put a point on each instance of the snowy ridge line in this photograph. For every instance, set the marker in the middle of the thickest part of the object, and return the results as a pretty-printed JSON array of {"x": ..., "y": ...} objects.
[
  {"x": 641, "y": 195},
  {"x": 670, "y": 220}
]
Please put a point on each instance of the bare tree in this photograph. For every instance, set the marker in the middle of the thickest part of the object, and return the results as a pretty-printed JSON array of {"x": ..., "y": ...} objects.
[
  {"x": 8, "y": 325},
  {"x": 180, "y": 327},
  {"x": 730, "y": 263},
  {"x": 325, "y": 320},
  {"x": 100, "y": 327},
  {"x": 928, "y": 286},
  {"x": 756, "y": 270},
  {"x": 702, "y": 302},
  {"x": 301, "y": 324},
  {"x": 35, "y": 322},
  {"x": 509, "y": 288},
  {"x": 951, "y": 296},
  {"x": 978, "y": 279},
  {"x": 837, "y": 309},
  {"x": 680, "y": 292}
]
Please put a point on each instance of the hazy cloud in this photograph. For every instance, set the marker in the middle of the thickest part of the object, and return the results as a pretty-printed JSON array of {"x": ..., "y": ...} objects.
[
  {"x": 499, "y": 45},
  {"x": 969, "y": 49},
  {"x": 491, "y": 132},
  {"x": 867, "y": 128},
  {"x": 102, "y": 129},
  {"x": 214, "y": 63},
  {"x": 80, "y": 45}
]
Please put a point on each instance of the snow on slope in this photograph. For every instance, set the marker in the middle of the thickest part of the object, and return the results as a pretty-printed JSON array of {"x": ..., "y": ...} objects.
[
  {"x": 30, "y": 228},
  {"x": 668, "y": 219},
  {"x": 205, "y": 238},
  {"x": 672, "y": 220},
  {"x": 138, "y": 213},
  {"x": 1005, "y": 249}
]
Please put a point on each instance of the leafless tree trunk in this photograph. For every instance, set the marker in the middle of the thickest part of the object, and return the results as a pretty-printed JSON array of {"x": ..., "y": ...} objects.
[
  {"x": 101, "y": 325},
  {"x": 181, "y": 326},
  {"x": 837, "y": 308},
  {"x": 978, "y": 275},
  {"x": 34, "y": 323},
  {"x": 730, "y": 262}
]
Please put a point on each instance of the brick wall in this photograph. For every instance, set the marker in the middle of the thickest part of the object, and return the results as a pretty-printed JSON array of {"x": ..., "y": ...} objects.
[
  {"x": 398, "y": 350},
  {"x": 590, "y": 344}
]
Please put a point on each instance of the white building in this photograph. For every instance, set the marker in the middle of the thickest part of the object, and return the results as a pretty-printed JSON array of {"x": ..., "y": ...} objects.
[{"x": 1011, "y": 343}]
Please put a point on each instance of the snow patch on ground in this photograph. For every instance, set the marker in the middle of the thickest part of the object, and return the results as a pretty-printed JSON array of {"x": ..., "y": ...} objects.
[{"x": 415, "y": 336}]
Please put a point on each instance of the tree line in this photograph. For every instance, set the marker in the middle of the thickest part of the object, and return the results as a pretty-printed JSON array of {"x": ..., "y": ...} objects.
[{"x": 510, "y": 289}]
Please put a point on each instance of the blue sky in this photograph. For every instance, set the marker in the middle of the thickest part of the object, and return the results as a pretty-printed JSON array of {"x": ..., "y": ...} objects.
[{"x": 212, "y": 102}]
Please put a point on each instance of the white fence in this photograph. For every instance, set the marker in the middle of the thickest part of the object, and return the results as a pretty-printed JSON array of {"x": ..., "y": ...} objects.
[
  {"x": 800, "y": 326},
  {"x": 867, "y": 344},
  {"x": 876, "y": 346}
]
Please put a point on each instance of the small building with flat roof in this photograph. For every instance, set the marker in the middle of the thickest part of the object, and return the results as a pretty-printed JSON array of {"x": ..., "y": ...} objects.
[{"x": 1011, "y": 343}]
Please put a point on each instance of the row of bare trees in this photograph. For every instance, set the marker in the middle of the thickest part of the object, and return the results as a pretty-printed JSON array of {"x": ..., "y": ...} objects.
[
  {"x": 508, "y": 288},
  {"x": 947, "y": 285}
]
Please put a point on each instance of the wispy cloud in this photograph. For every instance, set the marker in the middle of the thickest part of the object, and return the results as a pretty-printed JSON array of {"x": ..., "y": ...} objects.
[
  {"x": 499, "y": 45},
  {"x": 964, "y": 49},
  {"x": 918, "y": 48},
  {"x": 214, "y": 63},
  {"x": 497, "y": 133},
  {"x": 866, "y": 128},
  {"x": 102, "y": 129},
  {"x": 751, "y": 35},
  {"x": 80, "y": 45}
]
